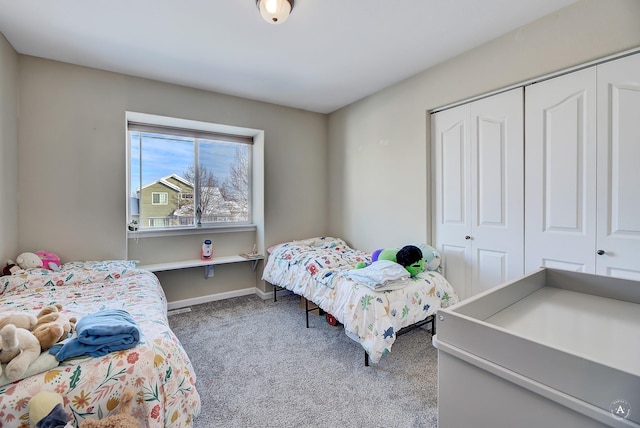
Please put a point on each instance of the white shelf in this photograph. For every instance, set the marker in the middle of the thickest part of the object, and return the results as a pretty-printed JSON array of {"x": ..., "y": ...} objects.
[{"x": 208, "y": 264}]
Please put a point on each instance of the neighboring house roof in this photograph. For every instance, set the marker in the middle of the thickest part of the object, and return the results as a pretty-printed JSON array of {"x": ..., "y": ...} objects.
[{"x": 176, "y": 177}]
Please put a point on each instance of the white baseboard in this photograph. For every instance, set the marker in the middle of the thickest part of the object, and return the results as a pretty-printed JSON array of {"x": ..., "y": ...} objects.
[{"x": 219, "y": 296}]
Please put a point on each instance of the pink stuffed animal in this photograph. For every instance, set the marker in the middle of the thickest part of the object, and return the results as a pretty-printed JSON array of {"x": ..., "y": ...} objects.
[{"x": 49, "y": 260}]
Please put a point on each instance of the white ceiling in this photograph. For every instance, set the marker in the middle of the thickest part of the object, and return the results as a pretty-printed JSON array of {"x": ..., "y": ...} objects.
[{"x": 328, "y": 54}]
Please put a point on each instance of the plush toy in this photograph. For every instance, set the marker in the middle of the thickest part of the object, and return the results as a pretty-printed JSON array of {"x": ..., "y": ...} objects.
[
  {"x": 19, "y": 348},
  {"x": 46, "y": 411},
  {"x": 431, "y": 256},
  {"x": 19, "y": 319},
  {"x": 10, "y": 268},
  {"x": 28, "y": 261},
  {"x": 52, "y": 326},
  {"x": 409, "y": 256},
  {"x": 49, "y": 260},
  {"x": 122, "y": 419}
]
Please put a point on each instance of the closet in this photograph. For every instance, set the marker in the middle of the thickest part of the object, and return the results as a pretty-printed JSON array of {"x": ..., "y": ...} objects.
[
  {"x": 478, "y": 181},
  {"x": 546, "y": 178},
  {"x": 583, "y": 171}
]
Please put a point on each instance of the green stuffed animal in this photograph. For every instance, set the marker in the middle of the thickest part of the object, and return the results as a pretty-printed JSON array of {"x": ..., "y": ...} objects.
[{"x": 409, "y": 256}]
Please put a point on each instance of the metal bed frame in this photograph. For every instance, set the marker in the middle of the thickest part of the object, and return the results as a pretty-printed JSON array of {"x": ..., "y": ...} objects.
[{"x": 431, "y": 319}]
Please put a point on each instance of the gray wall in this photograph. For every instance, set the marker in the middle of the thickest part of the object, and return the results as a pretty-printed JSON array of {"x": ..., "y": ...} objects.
[
  {"x": 8, "y": 151},
  {"x": 71, "y": 158},
  {"x": 379, "y": 147},
  {"x": 360, "y": 173}
]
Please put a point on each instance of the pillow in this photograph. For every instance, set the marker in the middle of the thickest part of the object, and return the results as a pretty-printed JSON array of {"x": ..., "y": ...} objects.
[
  {"x": 321, "y": 241},
  {"x": 101, "y": 265}
]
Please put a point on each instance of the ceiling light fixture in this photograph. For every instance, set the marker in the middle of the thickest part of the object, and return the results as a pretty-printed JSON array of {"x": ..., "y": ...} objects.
[{"x": 275, "y": 11}]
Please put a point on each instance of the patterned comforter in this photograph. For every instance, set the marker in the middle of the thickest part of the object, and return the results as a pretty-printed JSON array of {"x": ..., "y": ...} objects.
[
  {"x": 157, "y": 367},
  {"x": 315, "y": 269}
]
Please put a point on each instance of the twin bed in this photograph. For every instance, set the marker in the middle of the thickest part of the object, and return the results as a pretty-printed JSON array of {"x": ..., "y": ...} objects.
[
  {"x": 157, "y": 368},
  {"x": 321, "y": 271}
]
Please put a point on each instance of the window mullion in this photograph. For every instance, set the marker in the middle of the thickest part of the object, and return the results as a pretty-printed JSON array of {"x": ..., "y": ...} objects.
[{"x": 196, "y": 185}]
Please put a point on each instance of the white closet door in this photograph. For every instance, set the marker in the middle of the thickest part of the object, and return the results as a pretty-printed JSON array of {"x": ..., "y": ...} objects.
[
  {"x": 619, "y": 168},
  {"x": 479, "y": 196},
  {"x": 497, "y": 190},
  {"x": 450, "y": 145},
  {"x": 560, "y": 172}
]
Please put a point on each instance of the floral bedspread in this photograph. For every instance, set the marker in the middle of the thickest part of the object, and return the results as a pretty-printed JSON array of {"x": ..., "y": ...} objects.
[
  {"x": 314, "y": 268},
  {"x": 157, "y": 367}
]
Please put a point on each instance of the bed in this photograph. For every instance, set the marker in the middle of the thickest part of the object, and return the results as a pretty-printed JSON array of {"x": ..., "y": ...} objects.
[
  {"x": 157, "y": 367},
  {"x": 318, "y": 269}
]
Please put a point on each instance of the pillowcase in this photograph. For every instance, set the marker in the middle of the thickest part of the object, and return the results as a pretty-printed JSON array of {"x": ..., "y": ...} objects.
[
  {"x": 101, "y": 265},
  {"x": 321, "y": 241}
]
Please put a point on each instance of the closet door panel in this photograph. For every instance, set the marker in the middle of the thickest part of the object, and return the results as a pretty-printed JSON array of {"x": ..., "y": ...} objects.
[
  {"x": 453, "y": 175},
  {"x": 452, "y": 220},
  {"x": 618, "y": 168},
  {"x": 497, "y": 199},
  {"x": 490, "y": 270},
  {"x": 560, "y": 172},
  {"x": 563, "y": 166},
  {"x": 491, "y": 172},
  {"x": 455, "y": 267}
]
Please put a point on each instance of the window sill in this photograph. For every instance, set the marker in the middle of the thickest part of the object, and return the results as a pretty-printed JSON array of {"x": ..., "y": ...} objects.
[{"x": 141, "y": 234}]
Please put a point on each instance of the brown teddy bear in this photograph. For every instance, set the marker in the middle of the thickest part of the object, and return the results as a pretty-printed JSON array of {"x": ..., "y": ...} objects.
[
  {"x": 122, "y": 419},
  {"x": 52, "y": 326}
]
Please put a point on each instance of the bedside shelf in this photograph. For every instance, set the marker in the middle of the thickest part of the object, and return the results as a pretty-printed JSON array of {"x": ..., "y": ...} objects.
[{"x": 207, "y": 264}]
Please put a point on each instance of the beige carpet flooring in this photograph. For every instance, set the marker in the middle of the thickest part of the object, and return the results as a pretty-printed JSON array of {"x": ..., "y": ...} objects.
[{"x": 257, "y": 365}]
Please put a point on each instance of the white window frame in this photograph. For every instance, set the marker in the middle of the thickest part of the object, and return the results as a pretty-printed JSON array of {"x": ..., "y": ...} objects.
[{"x": 256, "y": 214}]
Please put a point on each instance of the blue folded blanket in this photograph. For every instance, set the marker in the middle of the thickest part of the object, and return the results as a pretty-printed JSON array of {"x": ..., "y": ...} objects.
[{"x": 99, "y": 334}]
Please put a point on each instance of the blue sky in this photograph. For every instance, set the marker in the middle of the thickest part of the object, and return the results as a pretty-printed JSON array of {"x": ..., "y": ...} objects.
[{"x": 162, "y": 157}]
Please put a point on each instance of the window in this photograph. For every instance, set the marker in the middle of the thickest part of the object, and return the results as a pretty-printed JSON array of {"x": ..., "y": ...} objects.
[
  {"x": 183, "y": 177},
  {"x": 159, "y": 198}
]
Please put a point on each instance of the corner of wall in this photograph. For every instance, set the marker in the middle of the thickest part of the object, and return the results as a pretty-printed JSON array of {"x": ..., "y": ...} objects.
[{"x": 8, "y": 150}]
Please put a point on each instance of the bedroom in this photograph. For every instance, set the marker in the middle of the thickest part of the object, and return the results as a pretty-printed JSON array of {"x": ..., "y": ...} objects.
[{"x": 84, "y": 108}]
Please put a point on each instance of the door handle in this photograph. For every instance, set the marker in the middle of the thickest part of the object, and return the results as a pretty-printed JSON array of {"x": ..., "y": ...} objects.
[
  {"x": 467, "y": 237},
  {"x": 600, "y": 252}
]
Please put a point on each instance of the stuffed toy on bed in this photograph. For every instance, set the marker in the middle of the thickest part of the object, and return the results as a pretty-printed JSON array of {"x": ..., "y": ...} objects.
[
  {"x": 28, "y": 261},
  {"x": 19, "y": 348},
  {"x": 409, "y": 256},
  {"x": 52, "y": 326},
  {"x": 50, "y": 260},
  {"x": 39, "y": 259},
  {"x": 46, "y": 411},
  {"x": 122, "y": 419}
]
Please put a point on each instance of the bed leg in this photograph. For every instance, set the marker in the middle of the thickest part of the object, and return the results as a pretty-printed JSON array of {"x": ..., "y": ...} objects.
[
  {"x": 366, "y": 359},
  {"x": 306, "y": 311}
]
